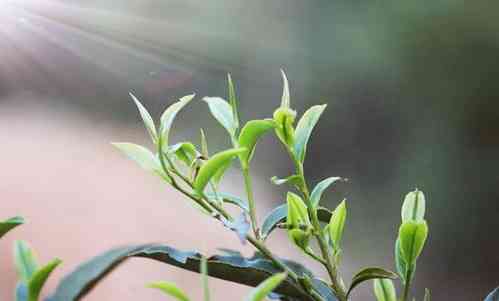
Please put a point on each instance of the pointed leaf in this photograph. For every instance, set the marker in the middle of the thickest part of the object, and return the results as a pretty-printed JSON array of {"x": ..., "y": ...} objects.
[
  {"x": 369, "y": 274},
  {"x": 337, "y": 224},
  {"x": 384, "y": 290},
  {"x": 413, "y": 207},
  {"x": 233, "y": 99},
  {"x": 294, "y": 180},
  {"x": 493, "y": 296},
  {"x": 304, "y": 130},
  {"x": 169, "y": 115},
  {"x": 204, "y": 144},
  {"x": 210, "y": 167},
  {"x": 36, "y": 282},
  {"x": 412, "y": 237},
  {"x": 284, "y": 119},
  {"x": 25, "y": 260},
  {"x": 248, "y": 271},
  {"x": 250, "y": 134},
  {"x": 263, "y": 289},
  {"x": 146, "y": 118},
  {"x": 141, "y": 155},
  {"x": 285, "y": 100},
  {"x": 222, "y": 111},
  {"x": 297, "y": 211},
  {"x": 170, "y": 289},
  {"x": 10, "y": 224},
  {"x": 185, "y": 152},
  {"x": 316, "y": 195}
]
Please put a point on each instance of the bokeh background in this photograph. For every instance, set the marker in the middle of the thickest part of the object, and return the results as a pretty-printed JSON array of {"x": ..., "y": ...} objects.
[{"x": 412, "y": 98}]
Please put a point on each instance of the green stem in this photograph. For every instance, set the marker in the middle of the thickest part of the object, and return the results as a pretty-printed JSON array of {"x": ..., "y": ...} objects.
[
  {"x": 407, "y": 284},
  {"x": 251, "y": 202}
]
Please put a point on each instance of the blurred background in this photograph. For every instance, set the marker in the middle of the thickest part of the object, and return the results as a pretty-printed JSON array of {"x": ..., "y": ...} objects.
[{"x": 412, "y": 98}]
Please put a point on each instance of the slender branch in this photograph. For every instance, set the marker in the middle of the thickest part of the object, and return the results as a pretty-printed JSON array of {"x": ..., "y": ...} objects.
[
  {"x": 407, "y": 284},
  {"x": 251, "y": 202}
]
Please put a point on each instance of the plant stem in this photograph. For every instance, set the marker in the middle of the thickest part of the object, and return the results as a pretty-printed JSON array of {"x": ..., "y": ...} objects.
[
  {"x": 251, "y": 202},
  {"x": 407, "y": 285}
]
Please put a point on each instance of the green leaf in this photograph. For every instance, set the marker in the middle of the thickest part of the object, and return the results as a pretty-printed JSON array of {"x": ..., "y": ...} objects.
[
  {"x": 337, "y": 224},
  {"x": 412, "y": 236},
  {"x": 294, "y": 180},
  {"x": 169, "y": 115},
  {"x": 493, "y": 296},
  {"x": 427, "y": 296},
  {"x": 36, "y": 282},
  {"x": 204, "y": 276},
  {"x": 284, "y": 119},
  {"x": 215, "y": 163},
  {"x": 249, "y": 136},
  {"x": 369, "y": 274},
  {"x": 231, "y": 199},
  {"x": 278, "y": 215},
  {"x": 222, "y": 111},
  {"x": 297, "y": 211},
  {"x": 10, "y": 224},
  {"x": 384, "y": 290},
  {"x": 300, "y": 238},
  {"x": 233, "y": 99},
  {"x": 413, "y": 208},
  {"x": 263, "y": 289},
  {"x": 204, "y": 144},
  {"x": 400, "y": 263},
  {"x": 316, "y": 195},
  {"x": 185, "y": 152},
  {"x": 146, "y": 118},
  {"x": 25, "y": 260},
  {"x": 248, "y": 271},
  {"x": 141, "y": 155},
  {"x": 285, "y": 100},
  {"x": 170, "y": 289},
  {"x": 304, "y": 130}
]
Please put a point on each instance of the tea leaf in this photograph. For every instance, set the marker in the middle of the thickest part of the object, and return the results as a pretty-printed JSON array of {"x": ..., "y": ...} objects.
[
  {"x": 146, "y": 118},
  {"x": 297, "y": 211},
  {"x": 412, "y": 237},
  {"x": 39, "y": 278},
  {"x": 169, "y": 115},
  {"x": 413, "y": 208},
  {"x": 384, "y": 290},
  {"x": 316, "y": 195},
  {"x": 185, "y": 152},
  {"x": 214, "y": 164},
  {"x": 304, "y": 130},
  {"x": 204, "y": 144},
  {"x": 170, "y": 289},
  {"x": 222, "y": 111},
  {"x": 263, "y": 289},
  {"x": 233, "y": 99},
  {"x": 295, "y": 180},
  {"x": 400, "y": 263},
  {"x": 285, "y": 100},
  {"x": 10, "y": 224},
  {"x": 25, "y": 260},
  {"x": 368, "y": 274},
  {"x": 231, "y": 199},
  {"x": 249, "y": 136},
  {"x": 141, "y": 155},
  {"x": 337, "y": 224},
  {"x": 240, "y": 226},
  {"x": 284, "y": 119}
]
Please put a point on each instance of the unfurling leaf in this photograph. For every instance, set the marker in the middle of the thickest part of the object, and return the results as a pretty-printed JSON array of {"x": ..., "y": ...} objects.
[
  {"x": 233, "y": 99},
  {"x": 493, "y": 296},
  {"x": 25, "y": 261},
  {"x": 185, "y": 152},
  {"x": 222, "y": 111},
  {"x": 413, "y": 208},
  {"x": 249, "y": 136},
  {"x": 384, "y": 290},
  {"x": 297, "y": 212},
  {"x": 210, "y": 167},
  {"x": 412, "y": 236},
  {"x": 337, "y": 224},
  {"x": 35, "y": 284},
  {"x": 10, "y": 224},
  {"x": 169, "y": 115},
  {"x": 147, "y": 119},
  {"x": 304, "y": 130},
  {"x": 300, "y": 238},
  {"x": 263, "y": 289},
  {"x": 170, "y": 289},
  {"x": 368, "y": 274},
  {"x": 316, "y": 195},
  {"x": 284, "y": 119}
]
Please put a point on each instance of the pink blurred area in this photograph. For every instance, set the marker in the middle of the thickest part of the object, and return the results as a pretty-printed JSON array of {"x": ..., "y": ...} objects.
[{"x": 81, "y": 197}]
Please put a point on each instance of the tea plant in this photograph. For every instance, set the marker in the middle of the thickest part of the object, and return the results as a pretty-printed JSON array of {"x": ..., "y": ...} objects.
[{"x": 196, "y": 173}]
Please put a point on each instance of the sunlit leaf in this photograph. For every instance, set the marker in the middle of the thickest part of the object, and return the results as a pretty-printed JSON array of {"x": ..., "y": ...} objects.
[
  {"x": 39, "y": 278},
  {"x": 10, "y": 224},
  {"x": 169, "y": 115},
  {"x": 25, "y": 260},
  {"x": 141, "y": 155},
  {"x": 266, "y": 287},
  {"x": 304, "y": 130},
  {"x": 146, "y": 118},
  {"x": 337, "y": 224},
  {"x": 185, "y": 152},
  {"x": 369, "y": 274},
  {"x": 250, "y": 134},
  {"x": 384, "y": 290},
  {"x": 170, "y": 289},
  {"x": 222, "y": 111},
  {"x": 413, "y": 207},
  {"x": 412, "y": 236},
  {"x": 316, "y": 195},
  {"x": 211, "y": 166}
]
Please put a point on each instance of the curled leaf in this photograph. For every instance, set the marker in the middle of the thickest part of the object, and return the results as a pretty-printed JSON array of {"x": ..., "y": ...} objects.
[
  {"x": 266, "y": 287},
  {"x": 169, "y": 115},
  {"x": 10, "y": 224},
  {"x": 413, "y": 207},
  {"x": 185, "y": 152},
  {"x": 170, "y": 289},
  {"x": 369, "y": 274},
  {"x": 316, "y": 195},
  {"x": 284, "y": 119},
  {"x": 337, "y": 224},
  {"x": 214, "y": 164},
  {"x": 304, "y": 130},
  {"x": 297, "y": 211},
  {"x": 146, "y": 118},
  {"x": 222, "y": 111},
  {"x": 249, "y": 136}
]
